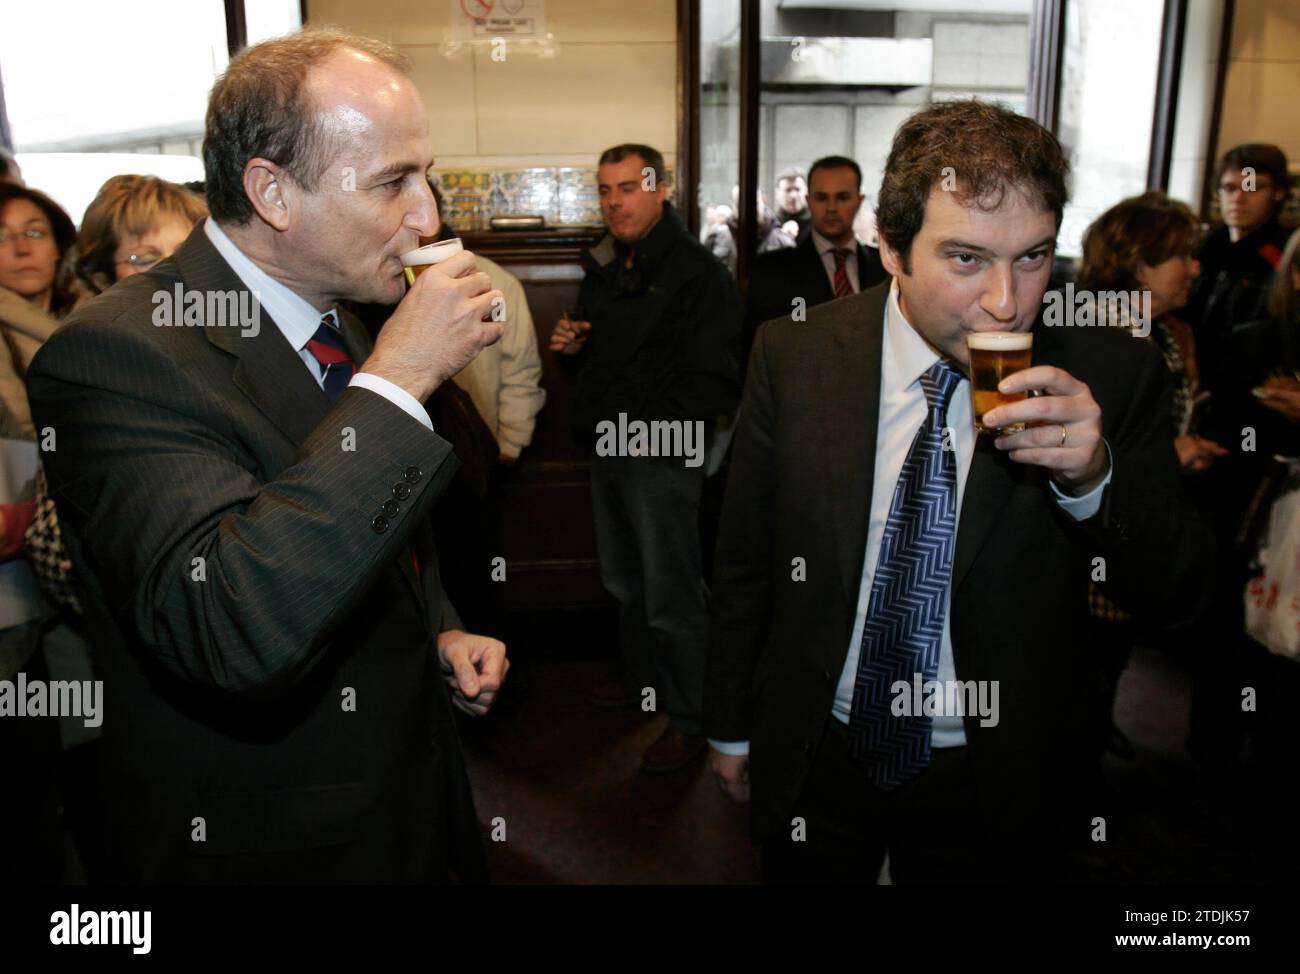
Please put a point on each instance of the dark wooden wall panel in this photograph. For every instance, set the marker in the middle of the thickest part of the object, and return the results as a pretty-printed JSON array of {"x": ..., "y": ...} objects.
[{"x": 546, "y": 526}]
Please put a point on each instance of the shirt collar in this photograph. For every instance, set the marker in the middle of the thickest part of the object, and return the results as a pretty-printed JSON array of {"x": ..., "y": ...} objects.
[
  {"x": 292, "y": 313},
  {"x": 824, "y": 246},
  {"x": 907, "y": 352}
]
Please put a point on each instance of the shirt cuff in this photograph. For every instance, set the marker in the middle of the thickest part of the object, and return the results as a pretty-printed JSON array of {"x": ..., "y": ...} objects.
[
  {"x": 393, "y": 393},
  {"x": 1086, "y": 505},
  {"x": 736, "y": 749}
]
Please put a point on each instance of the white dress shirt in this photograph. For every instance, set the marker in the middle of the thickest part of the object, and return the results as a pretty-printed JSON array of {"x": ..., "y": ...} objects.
[
  {"x": 824, "y": 248},
  {"x": 905, "y": 356},
  {"x": 298, "y": 321}
]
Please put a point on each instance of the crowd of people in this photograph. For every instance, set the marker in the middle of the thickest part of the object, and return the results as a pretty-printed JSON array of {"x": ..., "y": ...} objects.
[{"x": 199, "y": 540}]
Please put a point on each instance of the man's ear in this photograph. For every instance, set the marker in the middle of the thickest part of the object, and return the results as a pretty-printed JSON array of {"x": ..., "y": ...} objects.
[
  {"x": 890, "y": 258},
  {"x": 264, "y": 185}
]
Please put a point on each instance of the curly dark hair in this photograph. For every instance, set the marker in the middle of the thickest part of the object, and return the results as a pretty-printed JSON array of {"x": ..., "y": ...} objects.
[{"x": 986, "y": 148}]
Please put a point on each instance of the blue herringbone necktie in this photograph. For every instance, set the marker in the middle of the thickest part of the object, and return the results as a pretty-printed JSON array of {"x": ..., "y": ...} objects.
[{"x": 905, "y": 614}]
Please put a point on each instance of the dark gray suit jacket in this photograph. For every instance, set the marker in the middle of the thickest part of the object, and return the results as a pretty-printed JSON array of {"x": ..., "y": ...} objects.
[
  {"x": 266, "y": 641},
  {"x": 800, "y": 486},
  {"x": 780, "y": 276}
]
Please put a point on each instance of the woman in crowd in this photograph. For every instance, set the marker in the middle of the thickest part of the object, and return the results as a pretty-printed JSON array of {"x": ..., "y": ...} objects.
[
  {"x": 132, "y": 224},
  {"x": 1144, "y": 245},
  {"x": 36, "y": 290}
]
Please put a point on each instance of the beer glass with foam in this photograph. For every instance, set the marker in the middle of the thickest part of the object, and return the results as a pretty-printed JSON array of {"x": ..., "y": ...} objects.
[
  {"x": 994, "y": 355},
  {"x": 416, "y": 262}
]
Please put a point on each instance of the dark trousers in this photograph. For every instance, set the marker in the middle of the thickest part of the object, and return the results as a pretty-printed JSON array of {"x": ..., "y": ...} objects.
[
  {"x": 31, "y": 835},
  {"x": 930, "y": 826},
  {"x": 648, "y": 540}
]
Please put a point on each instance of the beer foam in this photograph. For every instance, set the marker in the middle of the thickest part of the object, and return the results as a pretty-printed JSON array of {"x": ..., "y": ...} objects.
[
  {"x": 1000, "y": 341},
  {"x": 433, "y": 253}
]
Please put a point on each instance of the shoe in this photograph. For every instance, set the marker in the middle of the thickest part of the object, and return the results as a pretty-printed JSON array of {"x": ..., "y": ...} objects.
[
  {"x": 673, "y": 751},
  {"x": 610, "y": 694}
]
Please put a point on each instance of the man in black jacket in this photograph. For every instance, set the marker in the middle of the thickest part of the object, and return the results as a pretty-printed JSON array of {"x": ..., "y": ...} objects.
[
  {"x": 828, "y": 262},
  {"x": 1236, "y": 347},
  {"x": 1239, "y": 258},
  {"x": 660, "y": 318}
]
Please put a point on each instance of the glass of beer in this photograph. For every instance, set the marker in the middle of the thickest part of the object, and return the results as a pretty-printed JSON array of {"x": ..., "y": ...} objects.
[
  {"x": 994, "y": 355},
  {"x": 414, "y": 262}
]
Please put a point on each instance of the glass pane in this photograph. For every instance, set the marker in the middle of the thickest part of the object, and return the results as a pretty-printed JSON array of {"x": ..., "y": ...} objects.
[
  {"x": 1108, "y": 94},
  {"x": 264, "y": 19},
  {"x": 125, "y": 76},
  {"x": 125, "y": 92},
  {"x": 719, "y": 122},
  {"x": 839, "y": 81}
]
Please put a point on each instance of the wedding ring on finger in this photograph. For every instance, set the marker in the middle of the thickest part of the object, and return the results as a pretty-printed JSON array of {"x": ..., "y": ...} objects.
[{"x": 1062, "y": 443}]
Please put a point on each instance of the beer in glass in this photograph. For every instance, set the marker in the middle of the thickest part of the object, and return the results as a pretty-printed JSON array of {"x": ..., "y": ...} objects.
[
  {"x": 415, "y": 262},
  {"x": 994, "y": 355}
]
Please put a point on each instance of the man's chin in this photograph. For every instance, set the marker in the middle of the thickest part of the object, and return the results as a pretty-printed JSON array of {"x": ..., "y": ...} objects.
[{"x": 389, "y": 290}]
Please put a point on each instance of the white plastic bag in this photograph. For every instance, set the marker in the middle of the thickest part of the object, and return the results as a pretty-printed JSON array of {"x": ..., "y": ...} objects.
[{"x": 1273, "y": 595}]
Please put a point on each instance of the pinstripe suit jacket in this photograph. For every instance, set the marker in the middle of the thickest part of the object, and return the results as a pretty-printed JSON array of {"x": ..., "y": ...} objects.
[{"x": 274, "y": 709}]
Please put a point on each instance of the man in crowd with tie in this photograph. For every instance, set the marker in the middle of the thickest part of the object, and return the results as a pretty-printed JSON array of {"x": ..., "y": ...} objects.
[
  {"x": 874, "y": 550},
  {"x": 828, "y": 261},
  {"x": 247, "y": 496}
]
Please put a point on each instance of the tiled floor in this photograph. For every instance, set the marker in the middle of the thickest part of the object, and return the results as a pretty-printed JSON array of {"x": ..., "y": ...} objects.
[{"x": 563, "y": 779}]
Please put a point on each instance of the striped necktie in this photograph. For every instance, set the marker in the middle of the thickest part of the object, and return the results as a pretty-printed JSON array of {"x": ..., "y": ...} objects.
[
  {"x": 904, "y": 621},
  {"x": 329, "y": 349},
  {"x": 843, "y": 287}
]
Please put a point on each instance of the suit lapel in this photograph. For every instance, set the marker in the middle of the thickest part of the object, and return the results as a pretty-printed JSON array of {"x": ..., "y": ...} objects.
[
  {"x": 268, "y": 370},
  {"x": 991, "y": 478},
  {"x": 850, "y": 411},
  {"x": 819, "y": 285}
]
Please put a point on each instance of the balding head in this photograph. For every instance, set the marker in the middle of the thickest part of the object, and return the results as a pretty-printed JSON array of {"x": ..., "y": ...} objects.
[
  {"x": 267, "y": 105},
  {"x": 329, "y": 210}
]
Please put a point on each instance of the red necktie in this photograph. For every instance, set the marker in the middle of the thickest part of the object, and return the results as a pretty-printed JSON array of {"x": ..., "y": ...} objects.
[
  {"x": 330, "y": 351},
  {"x": 843, "y": 288}
]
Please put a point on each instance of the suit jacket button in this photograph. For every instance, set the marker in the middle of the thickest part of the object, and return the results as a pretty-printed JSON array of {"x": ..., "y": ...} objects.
[
  {"x": 826, "y": 674},
  {"x": 401, "y": 491},
  {"x": 413, "y": 475},
  {"x": 379, "y": 525},
  {"x": 391, "y": 508}
]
